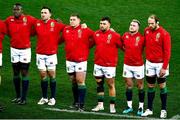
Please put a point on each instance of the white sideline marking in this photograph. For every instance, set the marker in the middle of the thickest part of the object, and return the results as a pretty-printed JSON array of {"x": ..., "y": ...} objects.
[
  {"x": 94, "y": 113},
  {"x": 176, "y": 117}
]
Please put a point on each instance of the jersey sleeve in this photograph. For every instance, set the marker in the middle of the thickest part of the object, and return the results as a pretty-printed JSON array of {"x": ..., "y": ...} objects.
[
  {"x": 119, "y": 42},
  {"x": 33, "y": 21},
  {"x": 167, "y": 49},
  {"x": 3, "y": 31},
  {"x": 91, "y": 40}
]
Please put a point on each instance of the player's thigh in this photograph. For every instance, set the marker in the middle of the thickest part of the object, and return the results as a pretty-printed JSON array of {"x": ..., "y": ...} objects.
[
  {"x": 158, "y": 68},
  {"x": 97, "y": 72},
  {"x": 15, "y": 55},
  {"x": 25, "y": 55},
  {"x": 70, "y": 67},
  {"x": 81, "y": 66},
  {"x": 150, "y": 69},
  {"x": 127, "y": 72},
  {"x": 40, "y": 62},
  {"x": 109, "y": 72},
  {"x": 51, "y": 62},
  {"x": 138, "y": 72}
]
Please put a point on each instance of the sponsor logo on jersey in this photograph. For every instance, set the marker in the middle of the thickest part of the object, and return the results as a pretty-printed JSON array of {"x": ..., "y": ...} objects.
[
  {"x": 127, "y": 37},
  {"x": 147, "y": 32},
  {"x": 109, "y": 38},
  {"x": 38, "y": 24},
  {"x": 12, "y": 20},
  {"x": 79, "y": 33},
  {"x": 97, "y": 34},
  {"x": 67, "y": 31},
  {"x": 158, "y": 36}
]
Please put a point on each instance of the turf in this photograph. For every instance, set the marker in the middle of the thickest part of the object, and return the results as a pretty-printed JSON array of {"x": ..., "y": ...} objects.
[{"x": 121, "y": 12}]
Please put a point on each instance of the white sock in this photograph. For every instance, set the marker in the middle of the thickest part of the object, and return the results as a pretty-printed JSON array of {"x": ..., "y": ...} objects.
[
  {"x": 112, "y": 106},
  {"x": 141, "y": 104},
  {"x": 129, "y": 103},
  {"x": 101, "y": 103}
]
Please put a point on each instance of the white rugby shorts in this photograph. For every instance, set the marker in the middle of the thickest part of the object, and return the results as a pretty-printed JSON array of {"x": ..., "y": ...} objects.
[
  {"x": 20, "y": 55},
  {"x": 76, "y": 66},
  {"x": 108, "y": 72},
  {"x": 136, "y": 72},
  {"x": 46, "y": 62},
  {"x": 154, "y": 69}
]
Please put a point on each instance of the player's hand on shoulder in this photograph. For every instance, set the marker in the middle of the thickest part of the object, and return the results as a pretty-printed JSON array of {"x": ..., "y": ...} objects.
[
  {"x": 84, "y": 25},
  {"x": 59, "y": 20},
  {"x": 112, "y": 29}
]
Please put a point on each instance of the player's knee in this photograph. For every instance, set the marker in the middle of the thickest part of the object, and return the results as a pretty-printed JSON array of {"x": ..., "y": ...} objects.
[
  {"x": 72, "y": 77},
  {"x": 140, "y": 85},
  {"x": 151, "y": 80},
  {"x": 100, "y": 86},
  {"x": 161, "y": 80},
  {"x": 25, "y": 66}
]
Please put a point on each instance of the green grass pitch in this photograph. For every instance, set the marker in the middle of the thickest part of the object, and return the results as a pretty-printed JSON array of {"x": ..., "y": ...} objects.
[{"x": 121, "y": 13}]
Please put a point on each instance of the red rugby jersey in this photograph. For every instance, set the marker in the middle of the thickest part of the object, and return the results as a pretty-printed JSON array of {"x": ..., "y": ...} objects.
[
  {"x": 19, "y": 30},
  {"x": 48, "y": 35},
  {"x": 158, "y": 46},
  {"x": 2, "y": 33},
  {"x": 133, "y": 46},
  {"x": 106, "y": 51},
  {"x": 77, "y": 43}
]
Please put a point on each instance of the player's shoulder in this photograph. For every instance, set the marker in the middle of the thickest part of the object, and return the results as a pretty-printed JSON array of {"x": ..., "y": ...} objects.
[
  {"x": 146, "y": 29},
  {"x": 97, "y": 32},
  {"x": 139, "y": 34},
  {"x": 164, "y": 31},
  {"x": 9, "y": 18},
  {"x": 1, "y": 21},
  {"x": 126, "y": 33},
  {"x": 115, "y": 33},
  {"x": 67, "y": 27}
]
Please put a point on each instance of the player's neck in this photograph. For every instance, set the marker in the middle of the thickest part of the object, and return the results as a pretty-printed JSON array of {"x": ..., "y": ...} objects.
[
  {"x": 75, "y": 26},
  {"x": 45, "y": 21},
  {"x": 133, "y": 32}
]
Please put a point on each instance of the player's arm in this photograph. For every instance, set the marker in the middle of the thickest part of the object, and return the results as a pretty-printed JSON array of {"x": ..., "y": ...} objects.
[
  {"x": 61, "y": 38},
  {"x": 91, "y": 39},
  {"x": 3, "y": 31},
  {"x": 33, "y": 23},
  {"x": 167, "y": 50},
  {"x": 121, "y": 43}
]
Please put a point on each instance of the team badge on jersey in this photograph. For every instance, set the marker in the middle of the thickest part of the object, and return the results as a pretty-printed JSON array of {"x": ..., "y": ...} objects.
[
  {"x": 158, "y": 36},
  {"x": 52, "y": 26},
  {"x": 137, "y": 40},
  {"x": 24, "y": 21},
  {"x": 79, "y": 33},
  {"x": 109, "y": 38}
]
